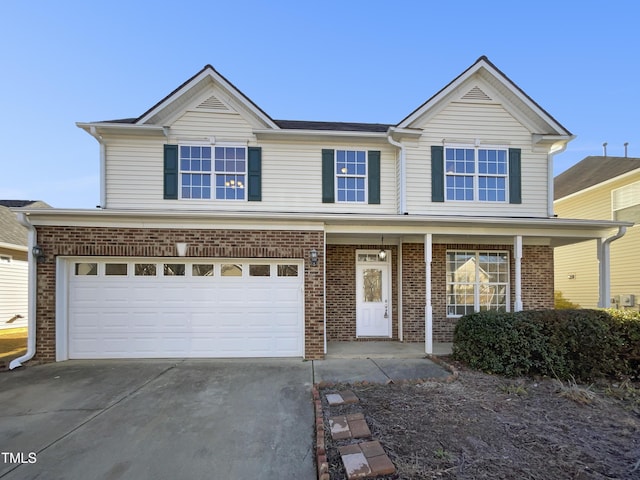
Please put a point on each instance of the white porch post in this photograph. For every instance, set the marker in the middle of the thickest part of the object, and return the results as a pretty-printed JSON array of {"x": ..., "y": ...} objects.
[
  {"x": 517, "y": 253},
  {"x": 428, "y": 311}
]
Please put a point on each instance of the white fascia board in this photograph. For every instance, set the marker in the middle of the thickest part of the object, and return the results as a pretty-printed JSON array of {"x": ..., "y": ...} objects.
[
  {"x": 500, "y": 78},
  {"x": 102, "y": 128},
  {"x": 11, "y": 246},
  {"x": 331, "y": 223},
  {"x": 217, "y": 78}
]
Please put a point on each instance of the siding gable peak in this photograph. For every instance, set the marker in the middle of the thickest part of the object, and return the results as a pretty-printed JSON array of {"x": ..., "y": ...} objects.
[
  {"x": 483, "y": 81},
  {"x": 207, "y": 80}
]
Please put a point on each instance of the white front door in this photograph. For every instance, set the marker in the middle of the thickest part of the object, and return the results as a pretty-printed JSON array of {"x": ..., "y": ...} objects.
[{"x": 373, "y": 296}]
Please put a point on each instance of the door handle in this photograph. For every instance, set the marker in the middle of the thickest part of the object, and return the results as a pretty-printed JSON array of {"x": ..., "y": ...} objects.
[{"x": 386, "y": 309}]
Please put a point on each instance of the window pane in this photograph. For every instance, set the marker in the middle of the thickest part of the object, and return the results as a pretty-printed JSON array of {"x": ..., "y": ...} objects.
[
  {"x": 372, "y": 285},
  {"x": 287, "y": 270},
  {"x": 202, "y": 270},
  {"x": 259, "y": 270},
  {"x": 231, "y": 270},
  {"x": 144, "y": 269},
  {"x": 86, "y": 269},
  {"x": 115, "y": 269},
  {"x": 174, "y": 269}
]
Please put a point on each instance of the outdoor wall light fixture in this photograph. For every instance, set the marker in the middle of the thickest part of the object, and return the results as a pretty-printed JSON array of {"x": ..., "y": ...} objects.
[
  {"x": 313, "y": 257},
  {"x": 38, "y": 253},
  {"x": 382, "y": 254},
  {"x": 181, "y": 248}
]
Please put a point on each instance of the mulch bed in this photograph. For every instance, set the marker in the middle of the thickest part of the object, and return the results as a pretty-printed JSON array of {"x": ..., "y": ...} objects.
[{"x": 488, "y": 427}]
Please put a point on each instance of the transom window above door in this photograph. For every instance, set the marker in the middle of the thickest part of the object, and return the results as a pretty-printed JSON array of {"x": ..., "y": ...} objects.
[
  {"x": 227, "y": 166},
  {"x": 474, "y": 173}
]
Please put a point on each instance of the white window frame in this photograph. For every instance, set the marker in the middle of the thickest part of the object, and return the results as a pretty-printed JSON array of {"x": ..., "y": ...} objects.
[
  {"x": 476, "y": 283},
  {"x": 346, "y": 175},
  {"x": 213, "y": 173},
  {"x": 476, "y": 172}
]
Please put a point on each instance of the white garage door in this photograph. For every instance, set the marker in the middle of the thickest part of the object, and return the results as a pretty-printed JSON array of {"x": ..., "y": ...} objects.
[{"x": 146, "y": 308}]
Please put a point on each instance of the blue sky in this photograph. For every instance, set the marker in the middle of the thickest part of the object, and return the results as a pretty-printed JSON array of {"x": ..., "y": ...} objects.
[{"x": 363, "y": 61}]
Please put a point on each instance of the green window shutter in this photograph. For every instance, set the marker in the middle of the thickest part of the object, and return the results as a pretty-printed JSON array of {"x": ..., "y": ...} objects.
[
  {"x": 437, "y": 173},
  {"x": 254, "y": 174},
  {"x": 374, "y": 177},
  {"x": 171, "y": 172},
  {"x": 328, "y": 177},
  {"x": 515, "y": 183}
]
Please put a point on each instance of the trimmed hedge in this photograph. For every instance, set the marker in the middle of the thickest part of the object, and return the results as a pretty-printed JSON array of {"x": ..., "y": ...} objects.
[{"x": 583, "y": 344}]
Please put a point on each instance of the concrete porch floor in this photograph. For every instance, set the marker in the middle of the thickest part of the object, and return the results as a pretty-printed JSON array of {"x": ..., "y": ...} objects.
[{"x": 383, "y": 349}]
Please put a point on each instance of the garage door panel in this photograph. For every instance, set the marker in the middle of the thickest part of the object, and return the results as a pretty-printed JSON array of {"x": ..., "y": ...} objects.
[{"x": 184, "y": 316}]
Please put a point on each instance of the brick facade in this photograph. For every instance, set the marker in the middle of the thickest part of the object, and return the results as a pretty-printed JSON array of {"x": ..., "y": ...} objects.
[
  {"x": 537, "y": 285},
  {"x": 341, "y": 291},
  {"x": 537, "y": 272},
  {"x": 154, "y": 242}
]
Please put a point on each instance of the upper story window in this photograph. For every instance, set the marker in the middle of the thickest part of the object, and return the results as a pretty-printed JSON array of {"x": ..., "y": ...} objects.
[
  {"x": 625, "y": 203},
  {"x": 227, "y": 166},
  {"x": 351, "y": 175},
  {"x": 476, "y": 173}
]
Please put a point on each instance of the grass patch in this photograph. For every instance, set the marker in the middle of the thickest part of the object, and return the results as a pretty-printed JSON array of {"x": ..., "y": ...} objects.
[{"x": 13, "y": 344}]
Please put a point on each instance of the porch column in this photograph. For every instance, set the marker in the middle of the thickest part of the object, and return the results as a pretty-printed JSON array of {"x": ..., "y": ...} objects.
[
  {"x": 428, "y": 310},
  {"x": 517, "y": 253}
]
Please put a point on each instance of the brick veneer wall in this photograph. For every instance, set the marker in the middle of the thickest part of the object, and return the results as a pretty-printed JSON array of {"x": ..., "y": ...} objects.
[
  {"x": 154, "y": 242},
  {"x": 537, "y": 285},
  {"x": 341, "y": 291}
]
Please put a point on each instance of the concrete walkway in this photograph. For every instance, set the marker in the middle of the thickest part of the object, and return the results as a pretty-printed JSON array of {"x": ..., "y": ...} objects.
[{"x": 168, "y": 419}]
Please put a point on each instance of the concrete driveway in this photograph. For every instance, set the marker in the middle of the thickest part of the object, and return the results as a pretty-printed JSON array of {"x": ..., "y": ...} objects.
[{"x": 186, "y": 419}]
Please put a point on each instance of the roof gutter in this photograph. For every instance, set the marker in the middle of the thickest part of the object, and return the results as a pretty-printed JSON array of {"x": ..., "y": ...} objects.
[
  {"x": 604, "y": 256},
  {"x": 555, "y": 149},
  {"x": 32, "y": 289},
  {"x": 402, "y": 173}
]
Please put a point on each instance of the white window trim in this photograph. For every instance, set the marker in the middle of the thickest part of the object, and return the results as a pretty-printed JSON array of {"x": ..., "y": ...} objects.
[
  {"x": 213, "y": 172},
  {"x": 341, "y": 175},
  {"x": 476, "y": 173},
  {"x": 476, "y": 290}
]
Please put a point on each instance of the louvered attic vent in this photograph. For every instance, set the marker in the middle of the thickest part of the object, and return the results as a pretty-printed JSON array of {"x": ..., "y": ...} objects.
[
  {"x": 213, "y": 103},
  {"x": 476, "y": 94}
]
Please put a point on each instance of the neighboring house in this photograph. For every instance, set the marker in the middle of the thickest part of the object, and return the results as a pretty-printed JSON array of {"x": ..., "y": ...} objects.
[
  {"x": 605, "y": 188},
  {"x": 225, "y": 233},
  {"x": 13, "y": 264}
]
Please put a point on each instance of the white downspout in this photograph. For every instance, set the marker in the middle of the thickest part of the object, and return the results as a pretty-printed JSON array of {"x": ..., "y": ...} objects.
[
  {"x": 402, "y": 207},
  {"x": 550, "y": 192},
  {"x": 31, "y": 294},
  {"x": 103, "y": 167},
  {"x": 605, "y": 272}
]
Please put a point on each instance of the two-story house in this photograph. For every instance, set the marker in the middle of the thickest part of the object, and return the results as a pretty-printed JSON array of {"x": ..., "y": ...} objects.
[
  {"x": 608, "y": 188},
  {"x": 225, "y": 233}
]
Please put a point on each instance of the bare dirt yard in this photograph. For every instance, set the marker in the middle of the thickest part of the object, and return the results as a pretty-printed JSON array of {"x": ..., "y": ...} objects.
[{"x": 488, "y": 427}]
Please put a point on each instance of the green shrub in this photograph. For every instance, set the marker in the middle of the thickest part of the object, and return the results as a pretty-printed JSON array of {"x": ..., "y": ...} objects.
[
  {"x": 560, "y": 303},
  {"x": 579, "y": 343}
]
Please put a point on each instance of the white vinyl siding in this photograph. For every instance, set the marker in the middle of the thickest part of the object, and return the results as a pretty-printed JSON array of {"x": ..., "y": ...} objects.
[
  {"x": 491, "y": 124},
  {"x": 580, "y": 260},
  {"x": 291, "y": 177},
  {"x": 13, "y": 291}
]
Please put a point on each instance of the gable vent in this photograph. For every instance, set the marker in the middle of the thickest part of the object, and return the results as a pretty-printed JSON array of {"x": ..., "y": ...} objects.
[
  {"x": 213, "y": 103},
  {"x": 476, "y": 94}
]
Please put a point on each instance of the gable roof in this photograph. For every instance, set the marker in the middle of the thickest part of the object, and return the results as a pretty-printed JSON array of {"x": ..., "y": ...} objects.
[
  {"x": 591, "y": 171},
  {"x": 484, "y": 65},
  {"x": 184, "y": 93},
  {"x": 11, "y": 231}
]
